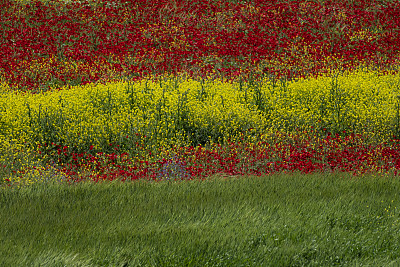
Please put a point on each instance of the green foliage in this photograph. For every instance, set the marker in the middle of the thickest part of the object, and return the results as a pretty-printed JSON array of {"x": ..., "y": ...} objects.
[{"x": 281, "y": 220}]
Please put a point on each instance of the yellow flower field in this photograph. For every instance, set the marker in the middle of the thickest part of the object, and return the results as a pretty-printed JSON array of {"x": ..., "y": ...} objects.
[{"x": 172, "y": 110}]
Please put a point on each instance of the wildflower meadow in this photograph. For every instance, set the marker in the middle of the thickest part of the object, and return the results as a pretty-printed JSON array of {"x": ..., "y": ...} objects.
[{"x": 266, "y": 131}]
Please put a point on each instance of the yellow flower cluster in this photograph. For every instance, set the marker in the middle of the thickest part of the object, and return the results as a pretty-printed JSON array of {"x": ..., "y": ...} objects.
[
  {"x": 171, "y": 110},
  {"x": 20, "y": 165}
]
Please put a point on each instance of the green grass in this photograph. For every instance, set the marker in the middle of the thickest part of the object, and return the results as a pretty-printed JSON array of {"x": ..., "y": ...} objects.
[{"x": 280, "y": 220}]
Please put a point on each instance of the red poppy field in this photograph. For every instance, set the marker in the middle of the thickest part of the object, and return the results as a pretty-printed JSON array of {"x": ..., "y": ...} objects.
[{"x": 209, "y": 87}]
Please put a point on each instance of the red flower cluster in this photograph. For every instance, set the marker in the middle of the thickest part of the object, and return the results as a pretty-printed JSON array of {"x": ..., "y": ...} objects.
[
  {"x": 49, "y": 45},
  {"x": 306, "y": 154}
]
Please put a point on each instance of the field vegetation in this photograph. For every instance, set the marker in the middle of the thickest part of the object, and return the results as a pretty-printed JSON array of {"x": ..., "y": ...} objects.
[
  {"x": 288, "y": 112},
  {"x": 279, "y": 220}
]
